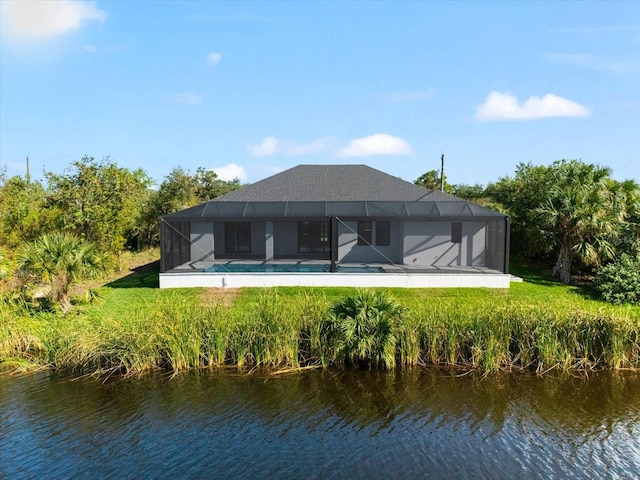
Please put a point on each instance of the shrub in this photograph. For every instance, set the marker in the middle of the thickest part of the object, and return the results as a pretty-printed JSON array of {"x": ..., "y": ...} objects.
[
  {"x": 58, "y": 260},
  {"x": 361, "y": 328},
  {"x": 4, "y": 265},
  {"x": 619, "y": 281}
]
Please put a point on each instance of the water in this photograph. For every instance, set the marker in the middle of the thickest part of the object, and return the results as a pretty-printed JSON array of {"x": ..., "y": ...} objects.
[{"x": 338, "y": 424}]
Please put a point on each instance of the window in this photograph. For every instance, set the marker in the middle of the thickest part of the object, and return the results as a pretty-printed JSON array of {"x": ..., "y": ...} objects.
[
  {"x": 313, "y": 237},
  {"x": 456, "y": 232},
  {"x": 364, "y": 233},
  {"x": 383, "y": 234},
  {"x": 237, "y": 237}
]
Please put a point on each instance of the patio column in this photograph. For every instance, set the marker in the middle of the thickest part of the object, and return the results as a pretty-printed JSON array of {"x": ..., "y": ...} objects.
[{"x": 268, "y": 241}]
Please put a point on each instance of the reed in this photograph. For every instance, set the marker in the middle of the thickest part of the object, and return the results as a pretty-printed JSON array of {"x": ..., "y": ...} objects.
[{"x": 137, "y": 330}]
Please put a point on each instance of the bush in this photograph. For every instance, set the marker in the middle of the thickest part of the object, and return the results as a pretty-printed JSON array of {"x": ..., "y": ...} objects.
[
  {"x": 361, "y": 329},
  {"x": 619, "y": 282},
  {"x": 4, "y": 265}
]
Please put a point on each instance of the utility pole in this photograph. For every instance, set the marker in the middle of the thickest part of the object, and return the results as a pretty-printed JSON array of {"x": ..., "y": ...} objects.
[
  {"x": 442, "y": 172},
  {"x": 28, "y": 176}
]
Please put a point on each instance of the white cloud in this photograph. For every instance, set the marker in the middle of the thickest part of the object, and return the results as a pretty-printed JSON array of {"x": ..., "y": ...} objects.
[
  {"x": 410, "y": 96},
  {"x": 505, "y": 106},
  {"x": 230, "y": 172},
  {"x": 306, "y": 148},
  {"x": 187, "y": 99},
  {"x": 271, "y": 146},
  {"x": 213, "y": 58},
  {"x": 89, "y": 48},
  {"x": 378, "y": 144},
  {"x": 266, "y": 148},
  {"x": 41, "y": 19}
]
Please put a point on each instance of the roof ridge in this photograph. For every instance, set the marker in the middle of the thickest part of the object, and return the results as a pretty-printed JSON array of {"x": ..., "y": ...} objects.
[{"x": 336, "y": 182}]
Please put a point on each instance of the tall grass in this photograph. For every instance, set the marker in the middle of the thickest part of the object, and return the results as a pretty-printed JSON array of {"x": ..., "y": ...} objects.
[{"x": 138, "y": 330}]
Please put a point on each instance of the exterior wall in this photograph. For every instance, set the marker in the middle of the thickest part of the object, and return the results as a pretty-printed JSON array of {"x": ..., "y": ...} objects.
[
  {"x": 429, "y": 243},
  {"x": 218, "y": 238},
  {"x": 257, "y": 240},
  {"x": 285, "y": 237},
  {"x": 476, "y": 234},
  {"x": 350, "y": 251},
  {"x": 416, "y": 280},
  {"x": 412, "y": 243},
  {"x": 258, "y": 235},
  {"x": 202, "y": 241}
]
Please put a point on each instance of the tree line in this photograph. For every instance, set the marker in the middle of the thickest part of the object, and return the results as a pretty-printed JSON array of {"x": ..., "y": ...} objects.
[
  {"x": 571, "y": 213},
  {"x": 99, "y": 202}
]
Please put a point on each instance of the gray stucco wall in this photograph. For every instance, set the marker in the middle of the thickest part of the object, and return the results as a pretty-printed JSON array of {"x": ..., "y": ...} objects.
[
  {"x": 218, "y": 236},
  {"x": 412, "y": 243},
  {"x": 202, "y": 241},
  {"x": 350, "y": 251},
  {"x": 429, "y": 243},
  {"x": 258, "y": 239},
  {"x": 285, "y": 236}
]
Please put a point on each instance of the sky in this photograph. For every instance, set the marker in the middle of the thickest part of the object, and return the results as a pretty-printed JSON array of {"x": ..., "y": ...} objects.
[{"x": 249, "y": 89}]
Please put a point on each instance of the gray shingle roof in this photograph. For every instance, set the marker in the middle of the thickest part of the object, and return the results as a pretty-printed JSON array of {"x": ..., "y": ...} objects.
[
  {"x": 334, "y": 190},
  {"x": 313, "y": 183}
]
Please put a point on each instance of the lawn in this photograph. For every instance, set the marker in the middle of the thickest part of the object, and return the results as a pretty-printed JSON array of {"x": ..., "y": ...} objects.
[{"x": 134, "y": 327}]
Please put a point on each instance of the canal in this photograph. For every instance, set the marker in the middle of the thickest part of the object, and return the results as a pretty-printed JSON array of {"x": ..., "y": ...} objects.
[{"x": 341, "y": 424}]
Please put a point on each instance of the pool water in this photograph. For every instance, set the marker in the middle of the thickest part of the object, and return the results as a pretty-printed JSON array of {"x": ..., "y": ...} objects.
[{"x": 288, "y": 268}]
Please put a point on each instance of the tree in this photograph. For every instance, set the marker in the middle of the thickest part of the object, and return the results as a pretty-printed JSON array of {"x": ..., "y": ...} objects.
[
  {"x": 627, "y": 194},
  {"x": 583, "y": 213},
  {"x": 209, "y": 186},
  {"x": 469, "y": 192},
  {"x": 99, "y": 201},
  {"x": 431, "y": 181},
  {"x": 520, "y": 196},
  {"x": 58, "y": 260},
  {"x": 24, "y": 211},
  {"x": 180, "y": 190}
]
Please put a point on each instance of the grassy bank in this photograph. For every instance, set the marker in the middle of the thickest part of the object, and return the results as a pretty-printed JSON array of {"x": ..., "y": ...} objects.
[{"x": 536, "y": 325}]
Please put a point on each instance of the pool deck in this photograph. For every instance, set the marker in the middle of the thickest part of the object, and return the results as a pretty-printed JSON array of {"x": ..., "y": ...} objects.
[{"x": 195, "y": 275}]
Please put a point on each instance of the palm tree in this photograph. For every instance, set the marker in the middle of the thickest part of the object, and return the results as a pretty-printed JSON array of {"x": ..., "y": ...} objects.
[
  {"x": 58, "y": 260},
  {"x": 361, "y": 328},
  {"x": 582, "y": 216}
]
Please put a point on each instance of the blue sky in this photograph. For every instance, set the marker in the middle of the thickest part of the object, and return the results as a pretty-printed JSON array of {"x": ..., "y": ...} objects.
[{"x": 252, "y": 88}]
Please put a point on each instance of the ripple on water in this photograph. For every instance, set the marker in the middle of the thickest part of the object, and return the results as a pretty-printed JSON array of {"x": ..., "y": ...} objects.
[{"x": 345, "y": 424}]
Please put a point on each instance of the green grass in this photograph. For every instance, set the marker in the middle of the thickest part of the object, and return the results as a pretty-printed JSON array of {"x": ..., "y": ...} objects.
[{"x": 135, "y": 327}]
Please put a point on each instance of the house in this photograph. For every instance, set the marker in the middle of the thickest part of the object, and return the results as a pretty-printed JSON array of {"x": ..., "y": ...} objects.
[{"x": 327, "y": 225}]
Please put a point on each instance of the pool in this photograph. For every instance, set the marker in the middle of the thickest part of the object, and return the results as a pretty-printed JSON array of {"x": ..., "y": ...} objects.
[{"x": 288, "y": 268}]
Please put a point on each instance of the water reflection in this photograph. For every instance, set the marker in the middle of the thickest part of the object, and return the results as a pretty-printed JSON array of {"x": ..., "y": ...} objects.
[{"x": 337, "y": 424}]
